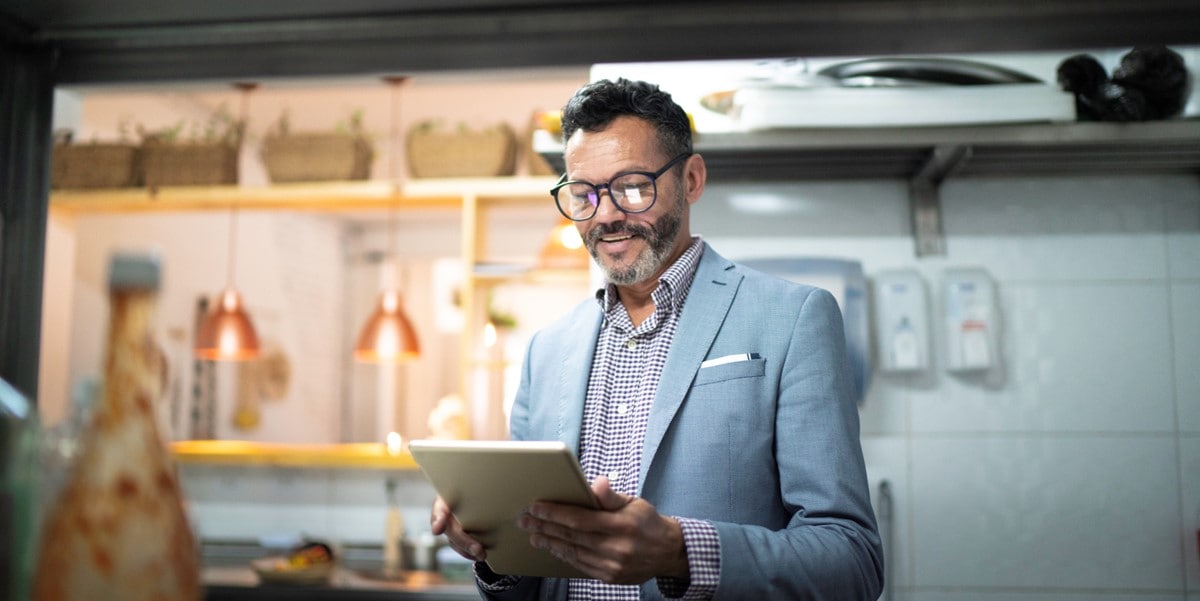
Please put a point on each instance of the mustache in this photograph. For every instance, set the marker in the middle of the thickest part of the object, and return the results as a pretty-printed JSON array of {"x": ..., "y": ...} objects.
[{"x": 614, "y": 229}]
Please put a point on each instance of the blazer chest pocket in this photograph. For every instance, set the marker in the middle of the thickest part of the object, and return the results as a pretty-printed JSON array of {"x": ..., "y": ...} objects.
[{"x": 750, "y": 368}]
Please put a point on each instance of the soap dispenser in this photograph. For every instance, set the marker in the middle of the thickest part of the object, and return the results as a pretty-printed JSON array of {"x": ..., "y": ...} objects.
[{"x": 393, "y": 534}]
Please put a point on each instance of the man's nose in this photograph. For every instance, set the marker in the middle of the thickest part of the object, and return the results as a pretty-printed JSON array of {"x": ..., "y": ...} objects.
[{"x": 607, "y": 211}]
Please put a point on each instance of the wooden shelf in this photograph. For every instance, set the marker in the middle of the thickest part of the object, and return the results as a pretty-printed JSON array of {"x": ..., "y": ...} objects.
[
  {"x": 244, "y": 453},
  {"x": 323, "y": 196}
]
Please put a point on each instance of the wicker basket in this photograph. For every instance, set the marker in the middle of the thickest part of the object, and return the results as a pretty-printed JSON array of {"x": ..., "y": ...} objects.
[
  {"x": 463, "y": 153},
  {"x": 306, "y": 157},
  {"x": 167, "y": 164},
  {"x": 94, "y": 166}
]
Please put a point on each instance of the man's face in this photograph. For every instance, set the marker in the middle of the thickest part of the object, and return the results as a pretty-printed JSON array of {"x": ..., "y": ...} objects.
[{"x": 638, "y": 247}]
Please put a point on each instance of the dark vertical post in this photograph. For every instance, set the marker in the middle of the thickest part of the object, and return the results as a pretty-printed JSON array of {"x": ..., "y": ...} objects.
[{"x": 26, "y": 106}]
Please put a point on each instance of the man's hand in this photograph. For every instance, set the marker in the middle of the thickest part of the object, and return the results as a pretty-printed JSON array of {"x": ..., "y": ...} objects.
[
  {"x": 624, "y": 542},
  {"x": 441, "y": 521}
]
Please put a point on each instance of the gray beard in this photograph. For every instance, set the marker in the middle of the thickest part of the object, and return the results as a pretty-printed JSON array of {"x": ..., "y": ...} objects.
[{"x": 660, "y": 238}]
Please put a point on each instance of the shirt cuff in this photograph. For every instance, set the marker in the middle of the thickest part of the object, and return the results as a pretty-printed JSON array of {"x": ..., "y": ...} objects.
[
  {"x": 703, "y": 548},
  {"x": 491, "y": 581}
]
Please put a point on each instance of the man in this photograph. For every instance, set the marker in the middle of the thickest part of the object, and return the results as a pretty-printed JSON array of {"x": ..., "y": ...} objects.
[{"x": 710, "y": 404}]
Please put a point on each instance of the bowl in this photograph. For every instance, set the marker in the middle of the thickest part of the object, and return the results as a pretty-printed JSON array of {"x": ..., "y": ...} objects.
[{"x": 277, "y": 570}]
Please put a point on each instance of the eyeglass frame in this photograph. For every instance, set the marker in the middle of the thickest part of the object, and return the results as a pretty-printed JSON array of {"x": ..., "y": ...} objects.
[{"x": 653, "y": 175}]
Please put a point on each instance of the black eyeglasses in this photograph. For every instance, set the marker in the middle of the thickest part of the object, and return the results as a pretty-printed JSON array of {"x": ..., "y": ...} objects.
[{"x": 631, "y": 192}]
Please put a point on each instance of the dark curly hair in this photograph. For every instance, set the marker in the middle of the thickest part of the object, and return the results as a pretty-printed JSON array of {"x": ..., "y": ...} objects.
[{"x": 597, "y": 104}]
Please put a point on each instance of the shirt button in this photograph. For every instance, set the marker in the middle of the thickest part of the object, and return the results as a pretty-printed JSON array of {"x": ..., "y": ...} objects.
[
  {"x": 632, "y": 344},
  {"x": 613, "y": 476},
  {"x": 623, "y": 408}
]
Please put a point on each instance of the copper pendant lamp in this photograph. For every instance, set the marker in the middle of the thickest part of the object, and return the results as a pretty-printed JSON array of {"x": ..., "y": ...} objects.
[
  {"x": 389, "y": 336},
  {"x": 226, "y": 332}
]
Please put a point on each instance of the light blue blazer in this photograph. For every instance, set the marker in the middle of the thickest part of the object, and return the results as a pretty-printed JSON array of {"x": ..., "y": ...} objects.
[{"x": 767, "y": 449}]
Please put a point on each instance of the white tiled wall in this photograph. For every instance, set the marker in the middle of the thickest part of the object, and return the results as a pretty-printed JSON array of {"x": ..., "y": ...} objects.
[
  {"x": 1070, "y": 474},
  {"x": 342, "y": 506}
]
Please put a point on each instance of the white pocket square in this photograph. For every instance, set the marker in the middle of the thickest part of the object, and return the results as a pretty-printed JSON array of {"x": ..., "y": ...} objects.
[{"x": 728, "y": 359}]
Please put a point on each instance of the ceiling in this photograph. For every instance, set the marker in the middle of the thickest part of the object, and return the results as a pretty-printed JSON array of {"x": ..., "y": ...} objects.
[{"x": 126, "y": 41}]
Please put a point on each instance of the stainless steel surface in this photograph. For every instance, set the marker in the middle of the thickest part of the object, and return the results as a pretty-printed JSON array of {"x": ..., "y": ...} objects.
[
  {"x": 900, "y": 152},
  {"x": 899, "y": 71}
]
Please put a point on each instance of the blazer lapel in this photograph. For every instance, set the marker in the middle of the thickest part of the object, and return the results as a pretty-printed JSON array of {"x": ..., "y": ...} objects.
[{"x": 711, "y": 295}]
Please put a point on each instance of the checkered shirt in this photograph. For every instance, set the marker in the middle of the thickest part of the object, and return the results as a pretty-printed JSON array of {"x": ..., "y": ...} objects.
[{"x": 624, "y": 379}]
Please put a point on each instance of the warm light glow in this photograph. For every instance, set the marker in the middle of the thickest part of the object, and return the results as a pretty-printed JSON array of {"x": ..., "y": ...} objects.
[
  {"x": 226, "y": 334},
  {"x": 489, "y": 335},
  {"x": 563, "y": 248},
  {"x": 388, "y": 335},
  {"x": 395, "y": 443},
  {"x": 568, "y": 236}
]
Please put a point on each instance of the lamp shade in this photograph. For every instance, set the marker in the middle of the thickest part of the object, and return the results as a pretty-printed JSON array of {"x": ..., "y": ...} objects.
[
  {"x": 388, "y": 335},
  {"x": 226, "y": 332}
]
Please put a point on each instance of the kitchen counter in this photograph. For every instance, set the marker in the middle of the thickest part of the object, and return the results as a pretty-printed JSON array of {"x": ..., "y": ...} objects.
[{"x": 236, "y": 583}]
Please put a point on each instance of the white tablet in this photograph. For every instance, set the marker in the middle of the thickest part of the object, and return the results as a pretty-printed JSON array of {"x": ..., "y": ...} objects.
[{"x": 489, "y": 483}]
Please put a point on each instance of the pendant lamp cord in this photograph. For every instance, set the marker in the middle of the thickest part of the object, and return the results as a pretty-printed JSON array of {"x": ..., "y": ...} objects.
[
  {"x": 393, "y": 158},
  {"x": 232, "y": 244},
  {"x": 243, "y": 120}
]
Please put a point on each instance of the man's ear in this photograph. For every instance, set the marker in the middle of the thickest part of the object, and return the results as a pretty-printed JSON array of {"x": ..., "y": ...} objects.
[{"x": 695, "y": 174}]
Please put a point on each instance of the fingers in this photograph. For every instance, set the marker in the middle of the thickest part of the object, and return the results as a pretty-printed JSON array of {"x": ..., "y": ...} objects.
[
  {"x": 609, "y": 498},
  {"x": 626, "y": 542},
  {"x": 441, "y": 521}
]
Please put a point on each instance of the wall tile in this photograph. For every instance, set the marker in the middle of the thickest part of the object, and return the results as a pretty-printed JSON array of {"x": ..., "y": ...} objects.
[
  {"x": 1040, "y": 206},
  {"x": 885, "y": 409},
  {"x": 1057, "y": 228},
  {"x": 1185, "y": 329},
  {"x": 888, "y": 460},
  {"x": 1190, "y": 474},
  {"x": 1046, "y": 512},
  {"x": 243, "y": 520},
  {"x": 225, "y": 483},
  {"x": 1182, "y": 205},
  {"x": 1076, "y": 358},
  {"x": 803, "y": 210}
]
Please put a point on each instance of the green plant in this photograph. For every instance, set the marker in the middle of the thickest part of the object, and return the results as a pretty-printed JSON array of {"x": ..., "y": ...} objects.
[
  {"x": 220, "y": 128},
  {"x": 351, "y": 125}
]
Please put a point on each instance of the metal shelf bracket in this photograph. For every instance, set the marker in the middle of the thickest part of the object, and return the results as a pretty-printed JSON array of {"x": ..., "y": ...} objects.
[{"x": 925, "y": 203}]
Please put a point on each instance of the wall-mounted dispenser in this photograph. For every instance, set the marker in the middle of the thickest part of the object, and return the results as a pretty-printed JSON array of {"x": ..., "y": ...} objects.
[
  {"x": 845, "y": 280},
  {"x": 901, "y": 310},
  {"x": 972, "y": 318}
]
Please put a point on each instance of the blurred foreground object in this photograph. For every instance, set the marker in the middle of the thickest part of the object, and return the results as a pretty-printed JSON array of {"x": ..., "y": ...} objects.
[
  {"x": 118, "y": 531},
  {"x": 19, "y": 435}
]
